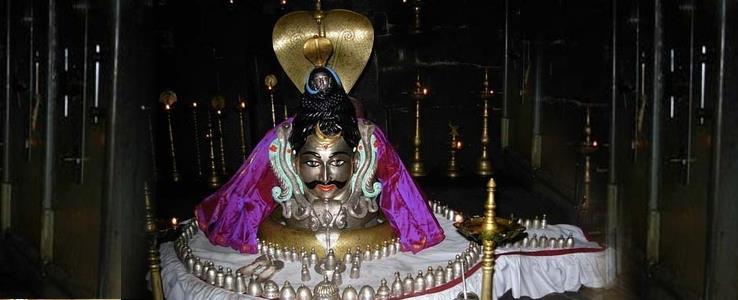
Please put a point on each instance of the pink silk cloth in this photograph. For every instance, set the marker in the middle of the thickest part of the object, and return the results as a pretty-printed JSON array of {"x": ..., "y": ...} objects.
[{"x": 231, "y": 216}]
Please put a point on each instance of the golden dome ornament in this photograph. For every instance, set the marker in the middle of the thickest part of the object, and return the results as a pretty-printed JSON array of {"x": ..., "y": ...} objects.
[{"x": 340, "y": 39}]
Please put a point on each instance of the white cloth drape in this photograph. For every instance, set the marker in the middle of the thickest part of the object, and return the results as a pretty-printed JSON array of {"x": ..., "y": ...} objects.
[{"x": 527, "y": 272}]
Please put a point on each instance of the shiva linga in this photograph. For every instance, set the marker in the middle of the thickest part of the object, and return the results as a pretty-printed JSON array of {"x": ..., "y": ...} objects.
[
  {"x": 324, "y": 179},
  {"x": 328, "y": 192}
]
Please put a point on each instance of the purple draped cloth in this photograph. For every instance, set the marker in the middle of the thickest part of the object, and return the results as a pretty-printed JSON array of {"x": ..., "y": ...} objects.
[{"x": 231, "y": 216}]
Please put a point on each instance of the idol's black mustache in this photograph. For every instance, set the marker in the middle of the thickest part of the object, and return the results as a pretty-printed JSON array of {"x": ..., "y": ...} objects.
[{"x": 339, "y": 184}]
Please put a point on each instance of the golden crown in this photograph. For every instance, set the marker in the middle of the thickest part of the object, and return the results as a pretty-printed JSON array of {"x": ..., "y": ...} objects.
[{"x": 339, "y": 39}]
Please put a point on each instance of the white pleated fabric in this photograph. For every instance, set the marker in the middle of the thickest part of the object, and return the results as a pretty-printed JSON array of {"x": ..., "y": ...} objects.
[{"x": 527, "y": 272}]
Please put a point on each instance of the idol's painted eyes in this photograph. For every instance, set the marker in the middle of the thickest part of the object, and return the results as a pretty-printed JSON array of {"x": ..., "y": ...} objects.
[
  {"x": 312, "y": 163},
  {"x": 337, "y": 163}
]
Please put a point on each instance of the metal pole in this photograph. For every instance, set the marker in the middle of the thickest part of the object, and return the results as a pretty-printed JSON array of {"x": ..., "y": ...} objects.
[
  {"x": 5, "y": 206},
  {"x": 47, "y": 229},
  {"x": 537, "y": 102},
  {"x": 718, "y": 277},
  {"x": 110, "y": 207},
  {"x": 652, "y": 245},
  {"x": 612, "y": 187},
  {"x": 505, "y": 122}
]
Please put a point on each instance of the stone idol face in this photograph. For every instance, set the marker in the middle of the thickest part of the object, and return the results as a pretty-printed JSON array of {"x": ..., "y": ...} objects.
[
  {"x": 326, "y": 185},
  {"x": 325, "y": 167}
]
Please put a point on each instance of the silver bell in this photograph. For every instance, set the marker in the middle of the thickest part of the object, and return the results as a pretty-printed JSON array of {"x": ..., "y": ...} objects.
[
  {"x": 397, "y": 286},
  {"x": 542, "y": 241},
  {"x": 254, "y": 288},
  {"x": 358, "y": 256},
  {"x": 211, "y": 274},
  {"x": 408, "y": 284},
  {"x": 368, "y": 253},
  {"x": 295, "y": 255},
  {"x": 220, "y": 277},
  {"x": 304, "y": 293},
  {"x": 271, "y": 290},
  {"x": 440, "y": 276},
  {"x": 348, "y": 257},
  {"x": 305, "y": 273},
  {"x": 430, "y": 279},
  {"x": 457, "y": 267},
  {"x": 377, "y": 253},
  {"x": 419, "y": 285},
  {"x": 305, "y": 259},
  {"x": 197, "y": 268},
  {"x": 560, "y": 242},
  {"x": 386, "y": 249},
  {"x": 534, "y": 241},
  {"x": 366, "y": 293},
  {"x": 288, "y": 254},
  {"x": 552, "y": 243},
  {"x": 313, "y": 257},
  {"x": 355, "y": 271},
  {"x": 190, "y": 263},
  {"x": 330, "y": 260},
  {"x": 383, "y": 292},
  {"x": 337, "y": 278},
  {"x": 449, "y": 274},
  {"x": 287, "y": 292},
  {"x": 570, "y": 241},
  {"x": 349, "y": 293},
  {"x": 240, "y": 284},
  {"x": 205, "y": 268},
  {"x": 229, "y": 280}
]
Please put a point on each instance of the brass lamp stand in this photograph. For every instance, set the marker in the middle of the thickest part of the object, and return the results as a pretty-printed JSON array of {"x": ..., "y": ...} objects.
[
  {"x": 198, "y": 161},
  {"x": 218, "y": 103},
  {"x": 417, "y": 169},
  {"x": 586, "y": 148},
  {"x": 271, "y": 81},
  {"x": 484, "y": 166},
  {"x": 488, "y": 233},
  {"x": 456, "y": 145},
  {"x": 168, "y": 98},
  {"x": 214, "y": 179},
  {"x": 242, "y": 130}
]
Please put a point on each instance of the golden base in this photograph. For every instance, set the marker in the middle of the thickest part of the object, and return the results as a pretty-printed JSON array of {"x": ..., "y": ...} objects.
[
  {"x": 484, "y": 167},
  {"x": 417, "y": 169},
  {"x": 272, "y": 231}
]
